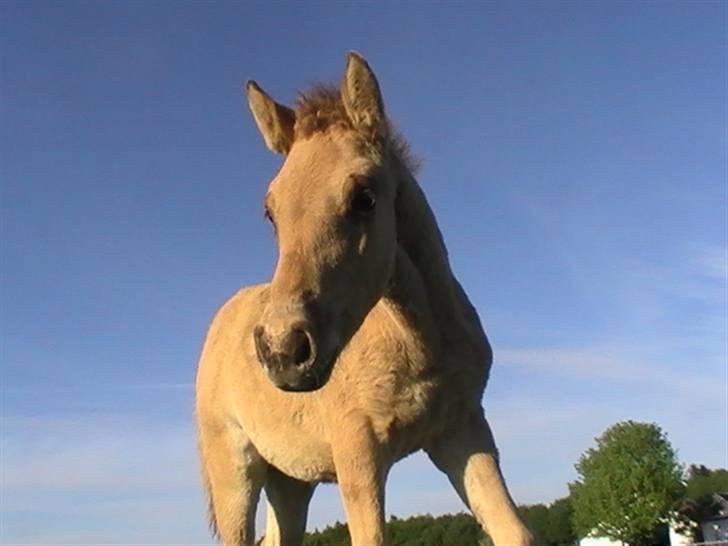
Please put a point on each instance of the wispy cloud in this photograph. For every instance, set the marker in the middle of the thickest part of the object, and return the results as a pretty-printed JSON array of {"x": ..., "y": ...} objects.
[
  {"x": 108, "y": 387},
  {"x": 542, "y": 435},
  {"x": 95, "y": 452},
  {"x": 88, "y": 476},
  {"x": 618, "y": 366},
  {"x": 712, "y": 261}
]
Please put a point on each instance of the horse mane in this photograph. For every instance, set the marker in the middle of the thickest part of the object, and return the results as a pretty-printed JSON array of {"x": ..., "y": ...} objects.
[{"x": 320, "y": 108}]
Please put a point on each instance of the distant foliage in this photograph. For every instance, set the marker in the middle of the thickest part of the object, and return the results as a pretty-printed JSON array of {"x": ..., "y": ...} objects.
[
  {"x": 551, "y": 525},
  {"x": 627, "y": 485},
  {"x": 448, "y": 530},
  {"x": 536, "y": 518},
  {"x": 334, "y": 535},
  {"x": 560, "y": 530},
  {"x": 702, "y": 481}
]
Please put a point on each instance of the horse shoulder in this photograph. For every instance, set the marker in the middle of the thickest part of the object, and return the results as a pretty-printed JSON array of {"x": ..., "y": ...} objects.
[{"x": 222, "y": 345}]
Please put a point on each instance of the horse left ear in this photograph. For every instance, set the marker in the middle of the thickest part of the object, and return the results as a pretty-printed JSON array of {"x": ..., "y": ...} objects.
[
  {"x": 361, "y": 96},
  {"x": 275, "y": 121}
]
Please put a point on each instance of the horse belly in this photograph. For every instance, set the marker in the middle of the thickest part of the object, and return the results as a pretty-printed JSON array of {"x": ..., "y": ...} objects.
[{"x": 305, "y": 460}]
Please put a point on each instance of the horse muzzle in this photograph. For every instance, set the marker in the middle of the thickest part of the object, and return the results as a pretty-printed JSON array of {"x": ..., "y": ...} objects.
[{"x": 290, "y": 357}]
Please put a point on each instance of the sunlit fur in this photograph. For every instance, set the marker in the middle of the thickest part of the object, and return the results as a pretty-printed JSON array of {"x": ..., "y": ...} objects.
[{"x": 411, "y": 359}]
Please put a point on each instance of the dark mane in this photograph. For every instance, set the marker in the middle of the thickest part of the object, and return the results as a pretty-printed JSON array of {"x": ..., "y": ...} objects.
[{"x": 320, "y": 108}]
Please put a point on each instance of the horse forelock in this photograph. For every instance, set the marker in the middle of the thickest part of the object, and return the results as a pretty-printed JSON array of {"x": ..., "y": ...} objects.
[{"x": 320, "y": 108}]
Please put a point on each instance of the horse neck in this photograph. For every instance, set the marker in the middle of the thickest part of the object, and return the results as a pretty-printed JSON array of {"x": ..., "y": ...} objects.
[{"x": 419, "y": 237}]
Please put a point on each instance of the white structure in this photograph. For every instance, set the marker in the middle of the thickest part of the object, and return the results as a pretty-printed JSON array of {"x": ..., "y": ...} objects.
[
  {"x": 675, "y": 539},
  {"x": 591, "y": 540},
  {"x": 716, "y": 529}
]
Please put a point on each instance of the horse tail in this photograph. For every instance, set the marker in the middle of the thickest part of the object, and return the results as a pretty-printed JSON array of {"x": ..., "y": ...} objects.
[{"x": 207, "y": 487}]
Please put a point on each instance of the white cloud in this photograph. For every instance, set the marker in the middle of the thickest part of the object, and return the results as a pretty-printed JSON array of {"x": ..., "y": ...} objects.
[
  {"x": 542, "y": 429},
  {"x": 621, "y": 365},
  {"x": 712, "y": 261},
  {"x": 88, "y": 475},
  {"x": 95, "y": 452},
  {"x": 99, "y": 478}
]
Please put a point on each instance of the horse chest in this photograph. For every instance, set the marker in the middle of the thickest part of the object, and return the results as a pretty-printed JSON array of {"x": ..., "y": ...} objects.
[
  {"x": 295, "y": 432},
  {"x": 285, "y": 428},
  {"x": 387, "y": 373},
  {"x": 396, "y": 383}
]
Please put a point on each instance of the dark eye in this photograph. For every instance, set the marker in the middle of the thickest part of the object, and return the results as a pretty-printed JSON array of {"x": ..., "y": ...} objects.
[
  {"x": 363, "y": 201},
  {"x": 269, "y": 216}
]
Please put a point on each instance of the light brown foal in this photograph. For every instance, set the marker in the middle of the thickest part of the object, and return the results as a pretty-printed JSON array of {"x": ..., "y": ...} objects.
[{"x": 363, "y": 347}]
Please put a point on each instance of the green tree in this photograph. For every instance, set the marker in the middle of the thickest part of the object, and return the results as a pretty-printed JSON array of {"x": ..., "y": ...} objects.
[
  {"x": 536, "y": 518},
  {"x": 433, "y": 534},
  {"x": 560, "y": 530},
  {"x": 333, "y": 535},
  {"x": 551, "y": 525},
  {"x": 702, "y": 481},
  {"x": 462, "y": 530},
  {"x": 447, "y": 530},
  {"x": 627, "y": 484}
]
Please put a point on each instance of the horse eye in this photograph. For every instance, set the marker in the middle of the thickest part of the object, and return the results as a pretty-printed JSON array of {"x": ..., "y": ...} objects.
[
  {"x": 363, "y": 202},
  {"x": 269, "y": 216}
]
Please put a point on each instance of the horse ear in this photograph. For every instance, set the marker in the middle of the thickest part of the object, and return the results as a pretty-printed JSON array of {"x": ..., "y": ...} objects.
[
  {"x": 275, "y": 121},
  {"x": 361, "y": 96}
]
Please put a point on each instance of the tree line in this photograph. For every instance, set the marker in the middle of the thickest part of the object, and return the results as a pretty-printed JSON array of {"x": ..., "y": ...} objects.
[{"x": 628, "y": 488}]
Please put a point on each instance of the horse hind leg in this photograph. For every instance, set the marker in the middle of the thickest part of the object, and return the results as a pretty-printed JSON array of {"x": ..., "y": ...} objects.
[
  {"x": 287, "y": 509},
  {"x": 233, "y": 472},
  {"x": 466, "y": 452}
]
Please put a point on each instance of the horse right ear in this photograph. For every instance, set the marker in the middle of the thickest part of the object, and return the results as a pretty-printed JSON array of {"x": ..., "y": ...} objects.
[
  {"x": 361, "y": 96},
  {"x": 275, "y": 121}
]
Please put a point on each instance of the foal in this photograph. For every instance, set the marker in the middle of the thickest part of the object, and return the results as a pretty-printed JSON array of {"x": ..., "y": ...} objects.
[{"x": 363, "y": 347}]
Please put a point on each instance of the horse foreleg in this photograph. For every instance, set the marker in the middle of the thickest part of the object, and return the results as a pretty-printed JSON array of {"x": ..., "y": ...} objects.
[
  {"x": 466, "y": 452},
  {"x": 287, "y": 509},
  {"x": 361, "y": 476},
  {"x": 234, "y": 473}
]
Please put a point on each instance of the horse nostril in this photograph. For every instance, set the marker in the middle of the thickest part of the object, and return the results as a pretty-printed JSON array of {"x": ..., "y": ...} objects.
[
  {"x": 292, "y": 349},
  {"x": 261, "y": 345},
  {"x": 299, "y": 347}
]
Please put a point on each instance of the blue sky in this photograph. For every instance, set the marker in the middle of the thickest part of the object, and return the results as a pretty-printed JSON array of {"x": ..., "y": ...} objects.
[{"x": 574, "y": 154}]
